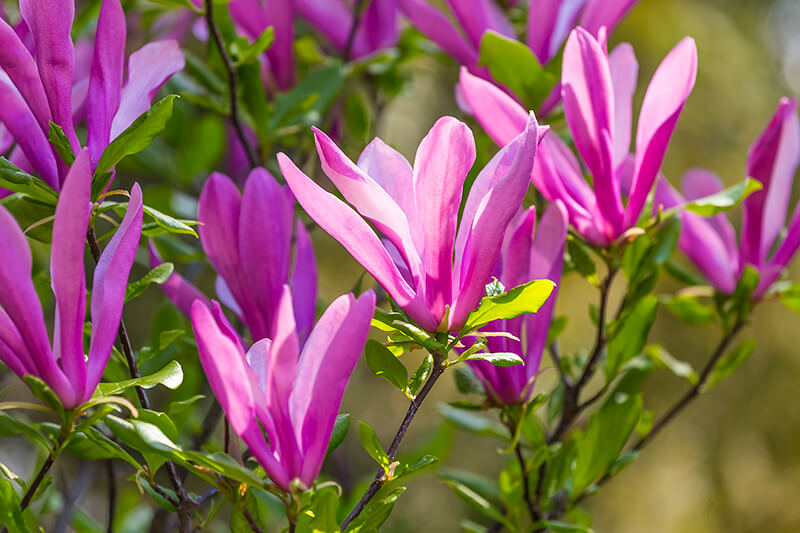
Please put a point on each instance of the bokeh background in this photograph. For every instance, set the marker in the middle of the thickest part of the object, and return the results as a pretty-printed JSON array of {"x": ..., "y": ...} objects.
[{"x": 730, "y": 463}]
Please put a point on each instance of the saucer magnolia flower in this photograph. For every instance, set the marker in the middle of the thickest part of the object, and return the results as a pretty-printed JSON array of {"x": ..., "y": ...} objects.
[
  {"x": 597, "y": 91},
  {"x": 38, "y": 87},
  {"x": 710, "y": 243},
  {"x": 437, "y": 275},
  {"x": 549, "y": 21},
  {"x": 525, "y": 257},
  {"x": 24, "y": 344},
  {"x": 294, "y": 395},
  {"x": 250, "y": 248}
]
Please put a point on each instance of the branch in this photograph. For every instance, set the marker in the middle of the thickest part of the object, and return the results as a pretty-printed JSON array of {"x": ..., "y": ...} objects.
[
  {"x": 526, "y": 491},
  {"x": 358, "y": 10},
  {"x": 112, "y": 494},
  {"x": 380, "y": 476},
  {"x": 252, "y": 157}
]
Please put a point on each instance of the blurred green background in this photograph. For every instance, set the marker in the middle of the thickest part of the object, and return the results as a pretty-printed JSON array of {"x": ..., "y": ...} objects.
[{"x": 730, "y": 463}]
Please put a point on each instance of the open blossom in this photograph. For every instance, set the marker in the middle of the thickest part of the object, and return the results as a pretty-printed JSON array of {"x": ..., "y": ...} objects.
[
  {"x": 39, "y": 85},
  {"x": 293, "y": 394},
  {"x": 529, "y": 252},
  {"x": 248, "y": 240},
  {"x": 597, "y": 91},
  {"x": 766, "y": 242},
  {"x": 433, "y": 268},
  {"x": 549, "y": 21},
  {"x": 24, "y": 344}
]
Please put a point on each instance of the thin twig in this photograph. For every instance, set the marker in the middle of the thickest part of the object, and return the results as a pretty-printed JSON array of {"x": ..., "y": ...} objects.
[
  {"x": 251, "y": 521},
  {"x": 185, "y": 503},
  {"x": 112, "y": 494},
  {"x": 526, "y": 491},
  {"x": 358, "y": 10},
  {"x": 233, "y": 91},
  {"x": 380, "y": 478}
]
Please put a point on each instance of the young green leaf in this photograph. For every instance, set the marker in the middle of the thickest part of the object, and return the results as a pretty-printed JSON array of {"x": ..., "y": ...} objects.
[
  {"x": 60, "y": 142},
  {"x": 664, "y": 359},
  {"x": 340, "y": 428},
  {"x": 520, "y": 300},
  {"x": 371, "y": 444},
  {"x": 724, "y": 200},
  {"x": 478, "y": 503},
  {"x": 474, "y": 423},
  {"x": 137, "y": 136},
  {"x": 420, "y": 375},
  {"x": 171, "y": 376},
  {"x": 689, "y": 309},
  {"x": 727, "y": 364},
  {"x": 168, "y": 223},
  {"x": 497, "y": 358},
  {"x": 384, "y": 364},
  {"x": 159, "y": 275},
  {"x": 17, "y": 180},
  {"x": 250, "y": 52},
  {"x": 629, "y": 338}
]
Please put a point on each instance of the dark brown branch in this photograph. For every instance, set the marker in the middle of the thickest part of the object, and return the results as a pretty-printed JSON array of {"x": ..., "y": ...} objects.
[
  {"x": 233, "y": 83},
  {"x": 112, "y": 494},
  {"x": 358, "y": 10},
  {"x": 380, "y": 478},
  {"x": 526, "y": 491}
]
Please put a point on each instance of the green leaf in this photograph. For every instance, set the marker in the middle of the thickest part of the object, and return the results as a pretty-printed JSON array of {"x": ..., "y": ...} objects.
[
  {"x": 581, "y": 260},
  {"x": 497, "y": 358},
  {"x": 560, "y": 527},
  {"x": 383, "y": 363},
  {"x": 469, "y": 421},
  {"x": 467, "y": 382},
  {"x": 514, "y": 65},
  {"x": 790, "y": 297},
  {"x": 137, "y": 136},
  {"x": 224, "y": 465},
  {"x": 11, "y": 426},
  {"x": 340, "y": 428},
  {"x": 371, "y": 519},
  {"x": 724, "y": 200},
  {"x": 727, "y": 364},
  {"x": 159, "y": 275},
  {"x": 664, "y": 359},
  {"x": 10, "y": 514},
  {"x": 182, "y": 405},
  {"x": 60, "y": 142},
  {"x": 480, "y": 484},
  {"x": 326, "y": 505},
  {"x": 420, "y": 375},
  {"x": 371, "y": 444},
  {"x": 308, "y": 101},
  {"x": 599, "y": 445},
  {"x": 689, "y": 309},
  {"x": 15, "y": 179},
  {"x": 171, "y": 376},
  {"x": 629, "y": 336},
  {"x": 250, "y": 53},
  {"x": 44, "y": 393},
  {"x": 170, "y": 224},
  {"x": 422, "y": 463},
  {"x": 520, "y": 300},
  {"x": 91, "y": 444},
  {"x": 478, "y": 503}
]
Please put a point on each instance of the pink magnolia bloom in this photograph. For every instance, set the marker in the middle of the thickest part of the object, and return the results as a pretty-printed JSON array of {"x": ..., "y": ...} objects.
[
  {"x": 36, "y": 87},
  {"x": 24, "y": 344},
  {"x": 597, "y": 91},
  {"x": 710, "y": 243},
  {"x": 433, "y": 268},
  {"x": 526, "y": 256},
  {"x": 250, "y": 249},
  {"x": 549, "y": 21},
  {"x": 293, "y": 394}
]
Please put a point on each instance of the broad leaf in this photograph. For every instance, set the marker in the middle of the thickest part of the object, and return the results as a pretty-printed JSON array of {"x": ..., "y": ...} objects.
[
  {"x": 371, "y": 444},
  {"x": 629, "y": 335},
  {"x": 383, "y": 363},
  {"x": 520, "y": 300},
  {"x": 159, "y": 275},
  {"x": 171, "y": 376},
  {"x": 15, "y": 179},
  {"x": 724, "y": 200}
]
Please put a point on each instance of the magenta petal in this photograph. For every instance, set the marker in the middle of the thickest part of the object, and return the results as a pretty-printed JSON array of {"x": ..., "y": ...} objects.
[
  {"x": 392, "y": 171},
  {"x": 332, "y": 18},
  {"x": 304, "y": 282},
  {"x": 22, "y": 125},
  {"x": 438, "y": 28},
  {"x": 106, "y": 77},
  {"x": 20, "y": 302},
  {"x": 772, "y": 160},
  {"x": 624, "y": 70},
  {"x": 378, "y": 28},
  {"x": 50, "y": 24},
  {"x": 604, "y": 13},
  {"x": 542, "y": 20},
  {"x": 66, "y": 270},
  {"x": 230, "y": 378},
  {"x": 480, "y": 16},
  {"x": 443, "y": 159},
  {"x": 698, "y": 183},
  {"x": 784, "y": 254},
  {"x": 326, "y": 363},
  {"x": 368, "y": 197},
  {"x": 13, "y": 352},
  {"x": 344, "y": 225},
  {"x": 280, "y": 15},
  {"x": 668, "y": 90},
  {"x": 108, "y": 289},
  {"x": 494, "y": 198},
  {"x": 180, "y": 292},
  {"x": 588, "y": 97},
  {"x": 148, "y": 69},
  {"x": 265, "y": 240},
  {"x": 501, "y": 117},
  {"x": 20, "y": 67}
]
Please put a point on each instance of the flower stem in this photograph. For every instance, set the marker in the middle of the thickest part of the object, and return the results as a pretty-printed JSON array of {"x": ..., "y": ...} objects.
[{"x": 380, "y": 477}]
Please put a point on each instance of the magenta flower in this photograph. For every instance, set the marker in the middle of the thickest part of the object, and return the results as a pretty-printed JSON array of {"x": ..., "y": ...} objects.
[
  {"x": 435, "y": 274},
  {"x": 710, "y": 243},
  {"x": 597, "y": 91},
  {"x": 37, "y": 87},
  {"x": 25, "y": 347},
  {"x": 525, "y": 257},
  {"x": 294, "y": 395},
  {"x": 377, "y": 29},
  {"x": 549, "y": 21},
  {"x": 250, "y": 248}
]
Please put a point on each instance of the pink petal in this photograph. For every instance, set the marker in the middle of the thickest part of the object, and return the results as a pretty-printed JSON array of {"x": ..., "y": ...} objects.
[
  {"x": 438, "y": 28},
  {"x": 304, "y": 282},
  {"x": 180, "y": 292},
  {"x": 502, "y": 117},
  {"x": 624, "y": 70}
]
